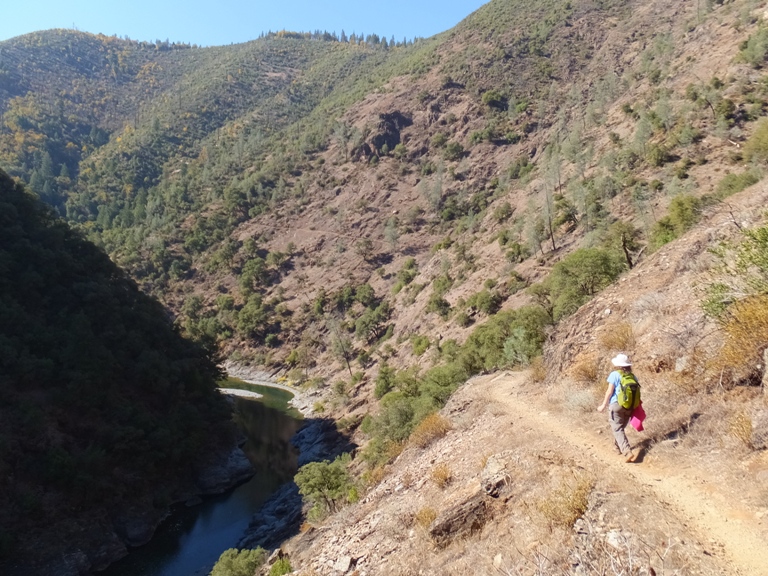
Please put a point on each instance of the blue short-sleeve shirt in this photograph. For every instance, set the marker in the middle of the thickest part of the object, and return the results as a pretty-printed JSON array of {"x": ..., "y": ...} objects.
[{"x": 615, "y": 379}]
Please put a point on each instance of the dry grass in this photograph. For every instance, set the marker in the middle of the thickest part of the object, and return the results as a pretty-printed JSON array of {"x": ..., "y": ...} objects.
[
  {"x": 441, "y": 475},
  {"x": 424, "y": 517},
  {"x": 373, "y": 476},
  {"x": 586, "y": 370},
  {"x": 538, "y": 370},
  {"x": 567, "y": 503},
  {"x": 618, "y": 338},
  {"x": 740, "y": 427},
  {"x": 430, "y": 429},
  {"x": 584, "y": 401},
  {"x": 746, "y": 330}
]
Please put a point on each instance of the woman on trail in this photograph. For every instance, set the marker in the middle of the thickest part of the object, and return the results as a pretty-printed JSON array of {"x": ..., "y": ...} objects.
[{"x": 621, "y": 398}]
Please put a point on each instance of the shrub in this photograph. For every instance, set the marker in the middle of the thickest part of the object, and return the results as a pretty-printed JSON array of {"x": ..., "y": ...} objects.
[
  {"x": 520, "y": 168},
  {"x": 280, "y": 567},
  {"x": 579, "y": 276},
  {"x": 503, "y": 212},
  {"x": 756, "y": 147},
  {"x": 741, "y": 428},
  {"x": 235, "y": 562},
  {"x": 385, "y": 381},
  {"x": 462, "y": 319},
  {"x": 586, "y": 370},
  {"x": 566, "y": 504},
  {"x": 408, "y": 272},
  {"x": 519, "y": 350},
  {"x": 326, "y": 485},
  {"x": 439, "y": 305},
  {"x": 439, "y": 140},
  {"x": 618, "y": 337},
  {"x": 453, "y": 151},
  {"x": 755, "y": 49},
  {"x": 494, "y": 99},
  {"x": 441, "y": 475},
  {"x": 424, "y": 517},
  {"x": 746, "y": 336},
  {"x": 484, "y": 349},
  {"x": 733, "y": 183},
  {"x": 663, "y": 232},
  {"x": 433, "y": 427},
  {"x": 538, "y": 369},
  {"x": 684, "y": 212},
  {"x": 657, "y": 155},
  {"x": 485, "y": 301},
  {"x": 419, "y": 344}
]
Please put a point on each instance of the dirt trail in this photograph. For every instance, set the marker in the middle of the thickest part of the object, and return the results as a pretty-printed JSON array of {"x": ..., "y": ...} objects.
[{"x": 708, "y": 513}]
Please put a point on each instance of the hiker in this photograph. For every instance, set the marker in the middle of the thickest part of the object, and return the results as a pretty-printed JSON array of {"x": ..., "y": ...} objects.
[{"x": 621, "y": 398}]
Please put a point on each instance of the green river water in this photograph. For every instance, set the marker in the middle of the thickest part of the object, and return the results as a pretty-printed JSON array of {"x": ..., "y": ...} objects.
[{"x": 190, "y": 541}]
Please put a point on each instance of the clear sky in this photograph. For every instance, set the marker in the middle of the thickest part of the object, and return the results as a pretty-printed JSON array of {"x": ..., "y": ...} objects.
[{"x": 218, "y": 22}]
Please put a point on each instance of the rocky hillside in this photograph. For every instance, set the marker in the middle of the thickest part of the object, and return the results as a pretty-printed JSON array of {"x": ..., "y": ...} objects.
[{"x": 388, "y": 222}]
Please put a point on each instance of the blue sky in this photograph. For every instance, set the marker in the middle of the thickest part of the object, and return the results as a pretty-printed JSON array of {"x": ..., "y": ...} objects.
[{"x": 218, "y": 22}]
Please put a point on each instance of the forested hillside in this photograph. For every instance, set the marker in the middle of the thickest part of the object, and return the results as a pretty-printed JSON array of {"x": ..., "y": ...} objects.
[
  {"x": 104, "y": 405},
  {"x": 379, "y": 221}
]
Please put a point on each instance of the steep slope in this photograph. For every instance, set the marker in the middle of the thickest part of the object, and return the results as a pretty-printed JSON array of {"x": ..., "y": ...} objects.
[
  {"x": 523, "y": 478},
  {"x": 442, "y": 209},
  {"x": 107, "y": 413},
  {"x": 560, "y": 502}
]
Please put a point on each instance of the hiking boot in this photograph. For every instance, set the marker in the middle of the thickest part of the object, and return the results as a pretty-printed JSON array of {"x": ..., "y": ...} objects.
[{"x": 630, "y": 456}]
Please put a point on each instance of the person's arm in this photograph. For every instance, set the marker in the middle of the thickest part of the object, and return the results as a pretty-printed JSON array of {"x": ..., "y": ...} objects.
[{"x": 608, "y": 394}]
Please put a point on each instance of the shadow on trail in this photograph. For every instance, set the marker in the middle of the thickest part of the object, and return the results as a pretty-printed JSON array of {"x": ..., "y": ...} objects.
[{"x": 675, "y": 433}]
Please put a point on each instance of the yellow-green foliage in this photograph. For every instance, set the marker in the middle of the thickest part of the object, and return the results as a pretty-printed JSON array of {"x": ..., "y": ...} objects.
[
  {"x": 235, "y": 562},
  {"x": 280, "y": 567},
  {"x": 756, "y": 148},
  {"x": 420, "y": 343},
  {"x": 430, "y": 429},
  {"x": 684, "y": 212},
  {"x": 733, "y": 183}
]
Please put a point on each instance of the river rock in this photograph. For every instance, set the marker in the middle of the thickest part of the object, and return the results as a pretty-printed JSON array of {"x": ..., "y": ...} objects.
[
  {"x": 319, "y": 440},
  {"x": 223, "y": 474},
  {"x": 277, "y": 519},
  {"x": 137, "y": 530}
]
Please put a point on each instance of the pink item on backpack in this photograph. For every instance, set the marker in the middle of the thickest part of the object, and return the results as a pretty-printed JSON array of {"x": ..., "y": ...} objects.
[{"x": 636, "y": 420}]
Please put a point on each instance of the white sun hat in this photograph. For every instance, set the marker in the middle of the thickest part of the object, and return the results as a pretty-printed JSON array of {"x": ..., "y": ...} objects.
[{"x": 621, "y": 361}]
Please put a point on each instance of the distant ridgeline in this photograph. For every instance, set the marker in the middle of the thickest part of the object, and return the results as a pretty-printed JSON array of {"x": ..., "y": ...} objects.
[{"x": 102, "y": 403}]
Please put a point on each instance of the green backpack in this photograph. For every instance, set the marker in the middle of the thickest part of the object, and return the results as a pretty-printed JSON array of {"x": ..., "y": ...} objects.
[{"x": 629, "y": 391}]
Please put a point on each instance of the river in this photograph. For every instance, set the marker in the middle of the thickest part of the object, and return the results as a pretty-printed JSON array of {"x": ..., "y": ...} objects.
[{"x": 191, "y": 540}]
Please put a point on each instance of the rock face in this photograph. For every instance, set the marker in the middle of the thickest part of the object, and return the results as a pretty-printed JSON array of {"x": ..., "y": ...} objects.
[
  {"x": 463, "y": 519},
  {"x": 319, "y": 440},
  {"x": 471, "y": 508},
  {"x": 276, "y": 520},
  {"x": 225, "y": 472},
  {"x": 281, "y": 515}
]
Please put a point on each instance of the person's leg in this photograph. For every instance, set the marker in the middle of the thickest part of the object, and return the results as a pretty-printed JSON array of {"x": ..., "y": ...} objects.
[{"x": 618, "y": 418}]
